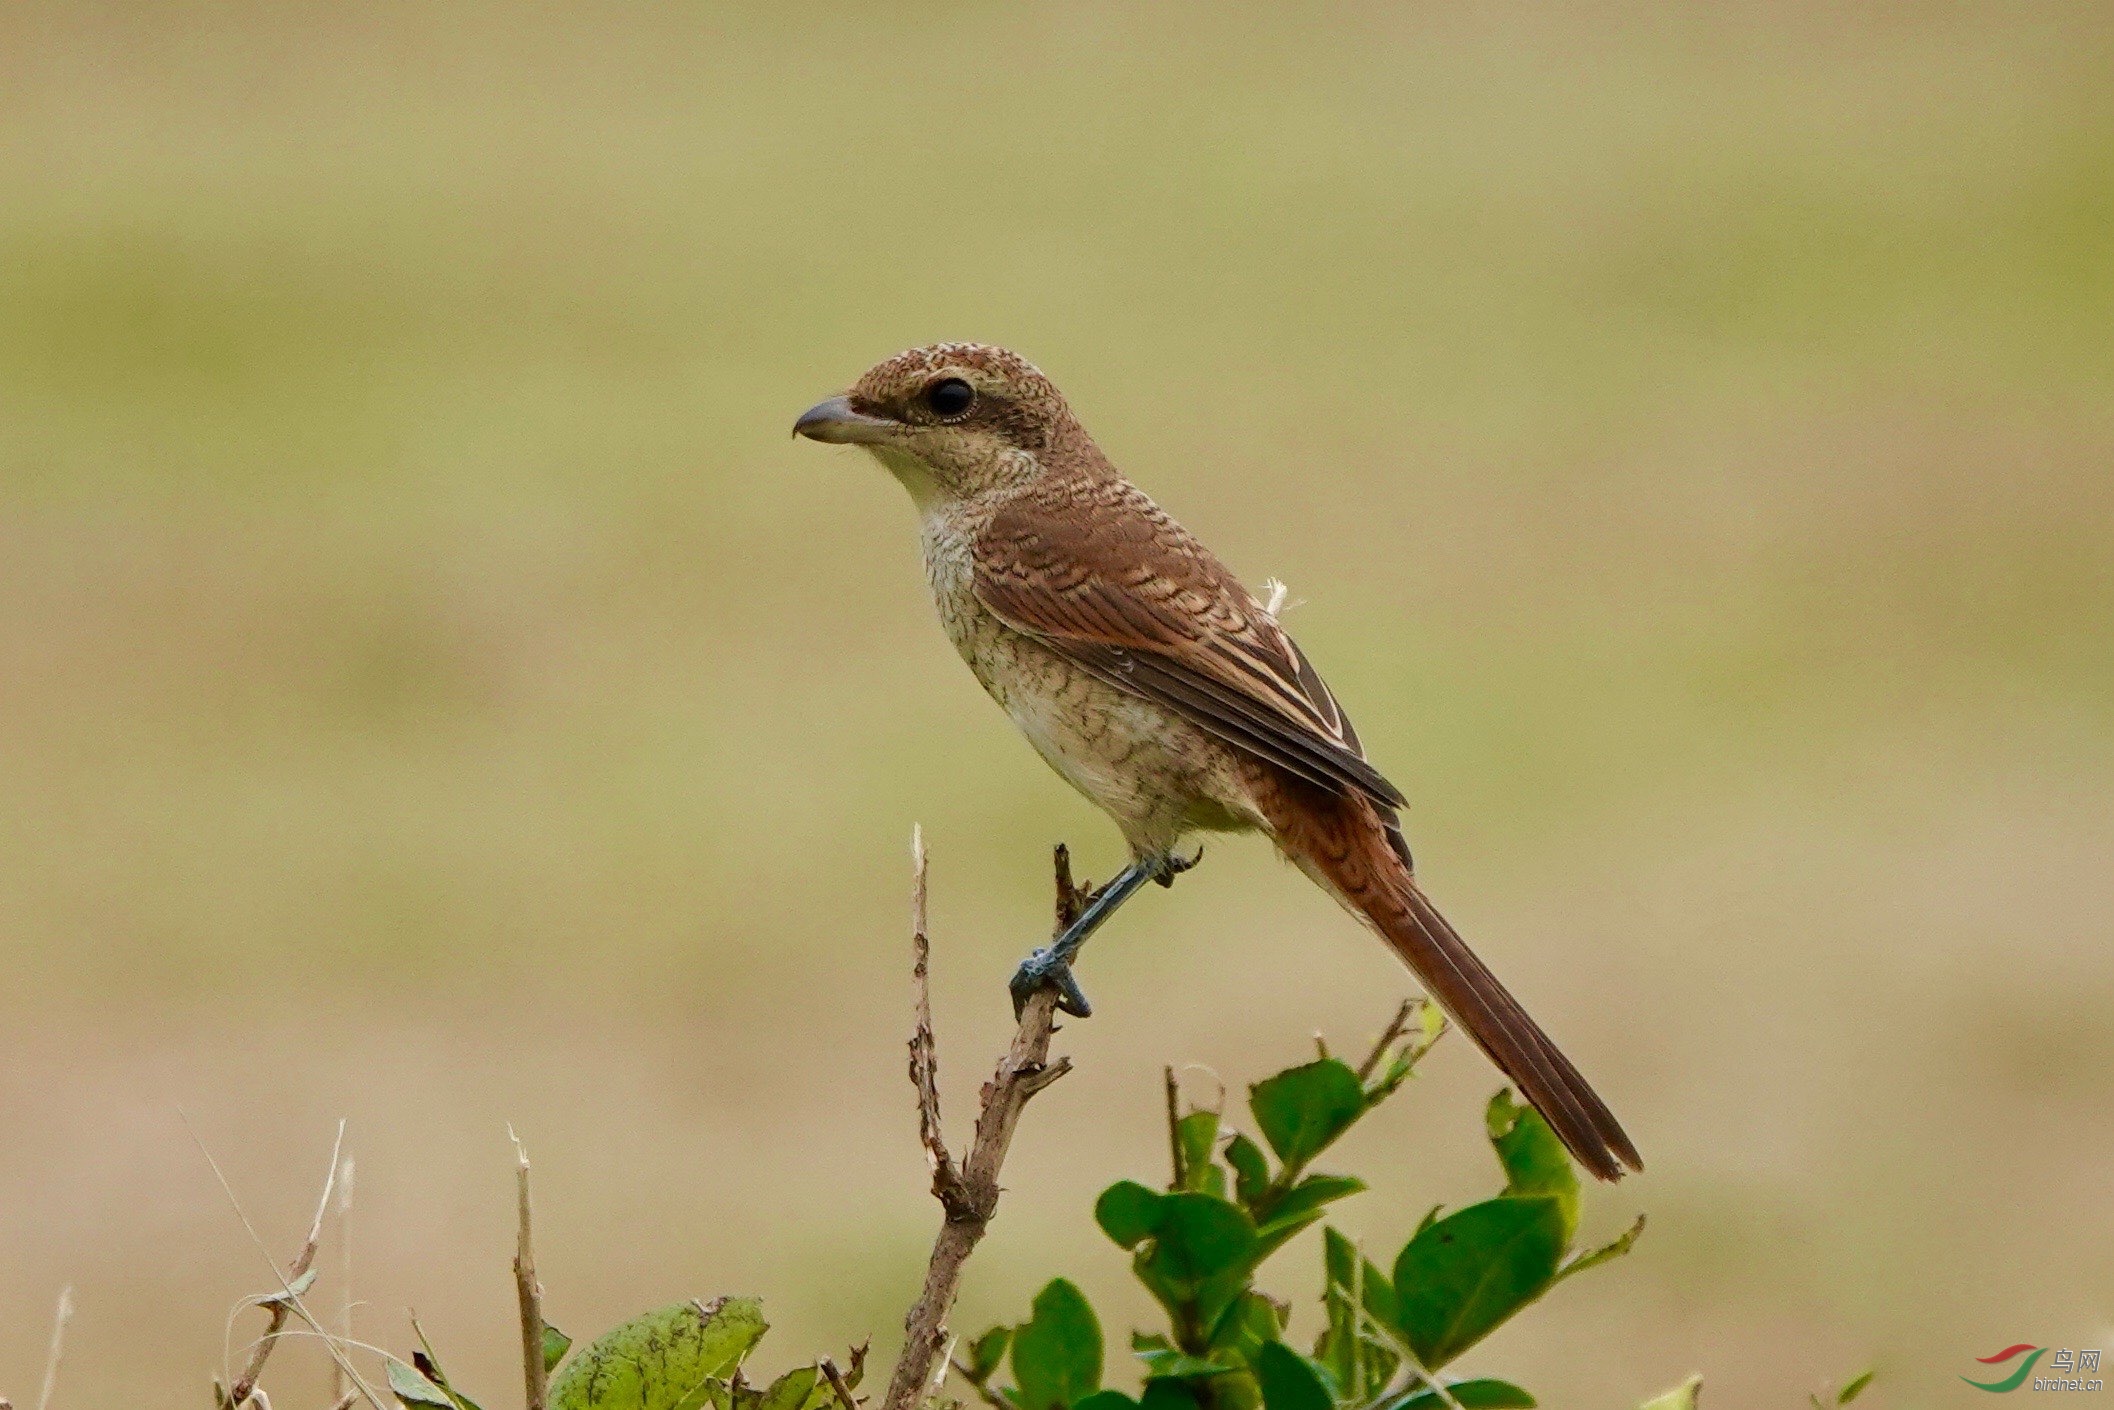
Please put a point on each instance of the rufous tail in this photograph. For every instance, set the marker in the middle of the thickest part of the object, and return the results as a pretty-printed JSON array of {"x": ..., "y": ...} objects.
[{"x": 1345, "y": 844}]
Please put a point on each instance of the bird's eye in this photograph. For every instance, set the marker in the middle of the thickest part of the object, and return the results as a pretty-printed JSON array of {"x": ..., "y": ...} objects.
[{"x": 950, "y": 397}]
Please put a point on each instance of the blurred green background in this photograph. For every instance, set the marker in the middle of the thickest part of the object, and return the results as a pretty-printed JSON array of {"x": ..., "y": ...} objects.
[{"x": 435, "y": 691}]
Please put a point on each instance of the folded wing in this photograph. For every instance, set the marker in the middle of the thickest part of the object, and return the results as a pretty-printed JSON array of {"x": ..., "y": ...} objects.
[{"x": 1112, "y": 583}]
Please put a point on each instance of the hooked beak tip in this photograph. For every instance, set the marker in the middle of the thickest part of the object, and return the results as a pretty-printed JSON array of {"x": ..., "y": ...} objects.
[{"x": 835, "y": 422}]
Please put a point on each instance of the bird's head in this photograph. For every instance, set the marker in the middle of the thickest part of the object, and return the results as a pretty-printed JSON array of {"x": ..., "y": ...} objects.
[{"x": 953, "y": 420}]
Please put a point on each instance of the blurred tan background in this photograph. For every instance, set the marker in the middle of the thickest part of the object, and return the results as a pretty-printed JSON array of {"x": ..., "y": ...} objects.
[{"x": 434, "y": 691}]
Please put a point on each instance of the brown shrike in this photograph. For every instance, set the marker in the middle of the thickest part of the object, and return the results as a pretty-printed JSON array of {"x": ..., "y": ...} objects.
[{"x": 1144, "y": 673}]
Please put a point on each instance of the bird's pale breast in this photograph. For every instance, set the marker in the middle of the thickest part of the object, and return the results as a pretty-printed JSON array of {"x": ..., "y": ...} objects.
[{"x": 1156, "y": 774}]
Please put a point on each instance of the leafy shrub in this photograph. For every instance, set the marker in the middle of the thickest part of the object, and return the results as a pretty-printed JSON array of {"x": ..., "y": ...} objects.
[{"x": 1196, "y": 1245}]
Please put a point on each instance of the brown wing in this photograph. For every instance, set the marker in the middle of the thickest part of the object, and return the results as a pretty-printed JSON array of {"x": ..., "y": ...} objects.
[{"x": 1101, "y": 575}]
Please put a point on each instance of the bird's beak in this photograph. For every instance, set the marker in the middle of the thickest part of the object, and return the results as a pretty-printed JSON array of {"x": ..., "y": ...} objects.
[{"x": 834, "y": 421}]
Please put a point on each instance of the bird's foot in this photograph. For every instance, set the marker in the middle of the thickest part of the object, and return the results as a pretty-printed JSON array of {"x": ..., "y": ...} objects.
[
  {"x": 1053, "y": 965},
  {"x": 1172, "y": 866},
  {"x": 1047, "y": 967}
]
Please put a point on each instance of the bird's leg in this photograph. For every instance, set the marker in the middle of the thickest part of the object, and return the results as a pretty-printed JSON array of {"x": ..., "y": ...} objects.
[{"x": 1052, "y": 964}]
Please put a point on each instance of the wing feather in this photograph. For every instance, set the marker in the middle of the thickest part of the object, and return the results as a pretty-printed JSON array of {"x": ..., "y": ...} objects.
[{"x": 1107, "y": 579}]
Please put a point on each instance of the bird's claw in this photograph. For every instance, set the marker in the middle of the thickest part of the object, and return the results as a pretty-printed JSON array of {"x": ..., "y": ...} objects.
[
  {"x": 1045, "y": 968},
  {"x": 1173, "y": 866}
]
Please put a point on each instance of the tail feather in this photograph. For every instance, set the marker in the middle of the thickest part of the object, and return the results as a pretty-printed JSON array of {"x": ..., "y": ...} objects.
[
  {"x": 1345, "y": 844},
  {"x": 1480, "y": 1003}
]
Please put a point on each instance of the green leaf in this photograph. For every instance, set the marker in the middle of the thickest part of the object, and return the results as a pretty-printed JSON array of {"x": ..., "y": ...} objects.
[
  {"x": 1340, "y": 1260},
  {"x": 1106, "y": 1400},
  {"x": 1853, "y": 1389},
  {"x": 1471, "y": 1395},
  {"x": 1431, "y": 1022},
  {"x": 1290, "y": 1381},
  {"x": 1245, "y": 1326},
  {"x": 1275, "y": 1234},
  {"x": 1128, "y": 1212},
  {"x": 555, "y": 1345},
  {"x": 1606, "y": 1253},
  {"x": 1195, "y": 1135},
  {"x": 662, "y": 1360},
  {"x": 292, "y": 1291},
  {"x": 1057, "y": 1351},
  {"x": 1198, "y": 1238},
  {"x": 410, "y": 1387},
  {"x": 987, "y": 1351},
  {"x": 1309, "y": 1195},
  {"x": 1251, "y": 1171},
  {"x": 1171, "y": 1395},
  {"x": 1461, "y": 1278},
  {"x": 1535, "y": 1161},
  {"x": 1361, "y": 1361},
  {"x": 1200, "y": 1259},
  {"x": 1165, "y": 1363},
  {"x": 1681, "y": 1397},
  {"x": 427, "y": 1364},
  {"x": 1302, "y": 1109},
  {"x": 798, "y": 1389}
]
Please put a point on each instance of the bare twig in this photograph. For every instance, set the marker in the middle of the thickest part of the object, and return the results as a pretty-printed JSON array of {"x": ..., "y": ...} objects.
[
  {"x": 968, "y": 1195},
  {"x": 982, "y": 1387},
  {"x": 282, "y": 1302},
  {"x": 60, "y": 1316},
  {"x": 924, "y": 1049},
  {"x": 1396, "y": 1027},
  {"x": 287, "y": 1290},
  {"x": 1072, "y": 896},
  {"x": 841, "y": 1386},
  {"x": 534, "y": 1374}
]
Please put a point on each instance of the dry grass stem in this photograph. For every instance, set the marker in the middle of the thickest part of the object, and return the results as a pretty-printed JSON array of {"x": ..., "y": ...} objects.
[
  {"x": 288, "y": 1295},
  {"x": 281, "y": 1304},
  {"x": 61, "y": 1315},
  {"x": 338, "y": 1391}
]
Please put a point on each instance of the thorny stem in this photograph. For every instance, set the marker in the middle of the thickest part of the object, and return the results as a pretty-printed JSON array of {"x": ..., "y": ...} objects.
[{"x": 968, "y": 1193}]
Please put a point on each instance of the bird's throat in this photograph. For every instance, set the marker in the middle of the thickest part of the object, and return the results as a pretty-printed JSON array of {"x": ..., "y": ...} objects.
[{"x": 926, "y": 489}]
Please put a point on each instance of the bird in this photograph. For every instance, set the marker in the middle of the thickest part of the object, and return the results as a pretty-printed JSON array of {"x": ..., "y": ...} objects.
[{"x": 1144, "y": 673}]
